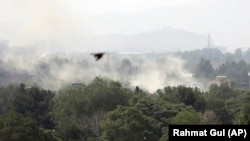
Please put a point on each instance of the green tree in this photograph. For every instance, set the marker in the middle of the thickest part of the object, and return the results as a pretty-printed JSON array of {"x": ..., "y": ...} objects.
[
  {"x": 129, "y": 123},
  {"x": 6, "y": 96},
  {"x": 222, "y": 92},
  {"x": 218, "y": 106},
  {"x": 29, "y": 101},
  {"x": 187, "y": 117},
  {"x": 158, "y": 109},
  {"x": 78, "y": 112},
  {"x": 204, "y": 69},
  {"x": 33, "y": 102},
  {"x": 193, "y": 57},
  {"x": 182, "y": 94},
  {"x": 239, "y": 107},
  {"x": 15, "y": 127},
  {"x": 236, "y": 72}
]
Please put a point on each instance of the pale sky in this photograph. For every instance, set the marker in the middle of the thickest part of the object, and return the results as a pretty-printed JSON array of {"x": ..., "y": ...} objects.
[{"x": 26, "y": 21}]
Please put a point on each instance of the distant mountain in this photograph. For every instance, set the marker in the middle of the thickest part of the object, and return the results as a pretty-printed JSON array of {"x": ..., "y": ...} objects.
[
  {"x": 169, "y": 39},
  {"x": 161, "y": 40},
  {"x": 166, "y": 39}
]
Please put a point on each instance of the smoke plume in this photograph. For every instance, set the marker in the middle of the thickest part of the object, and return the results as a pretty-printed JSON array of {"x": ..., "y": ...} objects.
[{"x": 56, "y": 70}]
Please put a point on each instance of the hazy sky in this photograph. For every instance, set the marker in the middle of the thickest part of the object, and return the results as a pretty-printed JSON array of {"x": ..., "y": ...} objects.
[{"x": 25, "y": 21}]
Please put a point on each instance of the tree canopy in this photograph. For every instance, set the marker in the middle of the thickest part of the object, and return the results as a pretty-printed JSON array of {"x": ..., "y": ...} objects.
[{"x": 107, "y": 110}]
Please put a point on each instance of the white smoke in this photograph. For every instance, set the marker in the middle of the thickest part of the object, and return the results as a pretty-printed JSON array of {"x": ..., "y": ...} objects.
[
  {"x": 160, "y": 72},
  {"x": 54, "y": 71}
]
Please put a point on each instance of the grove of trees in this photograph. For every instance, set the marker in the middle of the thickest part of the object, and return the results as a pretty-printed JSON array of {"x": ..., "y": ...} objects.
[
  {"x": 105, "y": 110},
  {"x": 108, "y": 110}
]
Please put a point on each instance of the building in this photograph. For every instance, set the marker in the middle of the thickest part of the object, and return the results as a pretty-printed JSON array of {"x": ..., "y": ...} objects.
[{"x": 223, "y": 80}]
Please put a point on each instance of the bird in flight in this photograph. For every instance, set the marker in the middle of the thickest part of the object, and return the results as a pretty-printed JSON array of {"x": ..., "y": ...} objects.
[{"x": 98, "y": 56}]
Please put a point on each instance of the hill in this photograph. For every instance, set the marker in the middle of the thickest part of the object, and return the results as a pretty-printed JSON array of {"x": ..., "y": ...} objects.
[{"x": 162, "y": 40}]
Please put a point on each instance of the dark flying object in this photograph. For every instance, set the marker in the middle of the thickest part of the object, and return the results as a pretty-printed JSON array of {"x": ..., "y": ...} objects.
[{"x": 98, "y": 56}]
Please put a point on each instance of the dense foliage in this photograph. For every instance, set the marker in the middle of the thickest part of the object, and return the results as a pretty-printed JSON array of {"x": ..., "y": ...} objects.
[
  {"x": 15, "y": 127},
  {"x": 107, "y": 110},
  {"x": 210, "y": 62}
]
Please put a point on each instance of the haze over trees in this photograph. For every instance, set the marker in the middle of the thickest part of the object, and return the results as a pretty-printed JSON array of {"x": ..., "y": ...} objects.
[
  {"x": 99, "y": 107},
  {"x": 119, "y": 70}
]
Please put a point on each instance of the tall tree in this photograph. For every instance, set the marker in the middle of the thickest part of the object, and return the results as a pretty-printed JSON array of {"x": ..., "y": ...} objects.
[
  {"x": 187, "y": 117},
  {"x": 204, "y": 69},
  {"x": 79, "y": 111},
  {"x": 129, "y": 123},
  {"x": 236, "y": 72},
  {"x": 15, "y": 127},
  {"x": 34, "y": 102}
]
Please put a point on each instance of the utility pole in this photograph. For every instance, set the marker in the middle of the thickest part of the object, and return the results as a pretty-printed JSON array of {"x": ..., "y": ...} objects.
[{"x": 248, "y": 80}]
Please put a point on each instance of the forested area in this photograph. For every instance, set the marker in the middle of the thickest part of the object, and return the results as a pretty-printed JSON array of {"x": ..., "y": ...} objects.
[
  {"x": 109, "y": 110},
  {"x": 105, "y": 110},
  {"x": 208, "y": 63}
]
